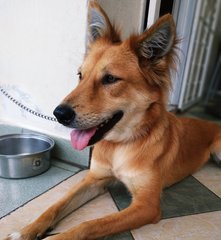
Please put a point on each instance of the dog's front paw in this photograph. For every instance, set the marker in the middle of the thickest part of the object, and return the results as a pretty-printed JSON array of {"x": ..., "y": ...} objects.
[
  {"x": 22, "y": 236},
  {"x": 14, "y": 236}
]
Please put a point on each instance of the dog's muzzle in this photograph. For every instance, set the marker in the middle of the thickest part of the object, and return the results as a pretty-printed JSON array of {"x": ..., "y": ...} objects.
[
  {"x": 85, "y": 132},
  {"x": 64, "y": 114}
]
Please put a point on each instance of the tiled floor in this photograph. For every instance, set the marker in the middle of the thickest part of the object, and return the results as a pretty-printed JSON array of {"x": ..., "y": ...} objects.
[
  {"x": 191, "y": 209},
  {"x": 17, "y": 192}
]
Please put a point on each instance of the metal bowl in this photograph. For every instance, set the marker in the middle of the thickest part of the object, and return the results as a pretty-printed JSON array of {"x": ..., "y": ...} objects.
[{"x": 24, "y": 155}]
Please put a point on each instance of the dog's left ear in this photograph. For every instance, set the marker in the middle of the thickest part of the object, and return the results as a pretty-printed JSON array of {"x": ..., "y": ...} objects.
[
  {"x": 99, "y": 25},
  {"x": 157, "y": 41}
]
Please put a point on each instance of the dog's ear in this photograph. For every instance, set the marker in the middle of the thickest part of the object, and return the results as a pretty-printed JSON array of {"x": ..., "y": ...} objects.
[
  {"x": 99, "y": 25},
  {"x": 157, "y": 41},
  {"x": 155, "y": 50}
]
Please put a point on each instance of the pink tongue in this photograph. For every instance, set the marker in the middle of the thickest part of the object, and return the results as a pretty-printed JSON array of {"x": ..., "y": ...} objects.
[{"x": 81, "y": 138}]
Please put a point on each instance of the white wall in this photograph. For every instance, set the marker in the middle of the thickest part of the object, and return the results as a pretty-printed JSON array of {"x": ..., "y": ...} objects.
[
  {"x": 41, "y": 46},
  {"x": 128, "y": 15},
  {"x": 42, "y": 43}
]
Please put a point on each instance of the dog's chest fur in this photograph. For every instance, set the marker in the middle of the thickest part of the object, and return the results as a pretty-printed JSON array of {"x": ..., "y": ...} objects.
[
  {"x": 112, "y": 162},
  {"x": 121, "y": 162}
]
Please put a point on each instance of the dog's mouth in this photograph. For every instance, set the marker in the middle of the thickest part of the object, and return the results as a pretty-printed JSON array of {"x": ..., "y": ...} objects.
[{"x": 83, "y": 138}]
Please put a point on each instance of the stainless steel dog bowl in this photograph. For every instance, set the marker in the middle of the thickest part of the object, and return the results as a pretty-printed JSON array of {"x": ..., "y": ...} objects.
[{"x": 24, "y": 155}]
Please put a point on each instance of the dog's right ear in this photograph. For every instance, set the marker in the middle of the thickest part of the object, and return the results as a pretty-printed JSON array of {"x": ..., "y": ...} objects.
[
  {"x": 99, "y": 25},
  {"x": 158, "y": 40}
]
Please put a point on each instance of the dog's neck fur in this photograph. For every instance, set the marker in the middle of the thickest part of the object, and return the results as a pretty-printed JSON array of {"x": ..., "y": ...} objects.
[{"x": 152, "y": 127}]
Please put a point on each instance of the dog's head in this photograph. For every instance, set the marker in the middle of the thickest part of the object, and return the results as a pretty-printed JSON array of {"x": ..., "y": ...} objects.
[{"x": 120, "y": 82}]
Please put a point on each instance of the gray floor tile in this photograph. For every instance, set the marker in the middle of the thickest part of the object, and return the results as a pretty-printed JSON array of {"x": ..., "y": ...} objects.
[
  {"x": 17, "y": 192},
  {"x": 185, "y": 198},
  {"x": 120, "y": 195},
  {"x": 188, "y": 197},
  {"x": 199, "y": 111}
]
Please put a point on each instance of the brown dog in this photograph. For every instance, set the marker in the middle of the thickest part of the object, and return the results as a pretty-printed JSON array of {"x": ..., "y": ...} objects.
[{"x": 120, "y": 104}]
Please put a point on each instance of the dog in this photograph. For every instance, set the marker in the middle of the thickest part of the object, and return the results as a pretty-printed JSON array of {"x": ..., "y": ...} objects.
[{"x": 119, "y": 106}]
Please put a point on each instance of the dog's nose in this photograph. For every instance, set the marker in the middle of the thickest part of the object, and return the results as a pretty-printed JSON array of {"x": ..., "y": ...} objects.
[{"x": 64, "y": 114}]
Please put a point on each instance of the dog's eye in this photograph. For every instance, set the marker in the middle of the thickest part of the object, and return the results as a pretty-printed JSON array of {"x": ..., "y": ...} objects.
[
  {"x": 109, "y": 79},
  {"x": 79, "y": 75}
]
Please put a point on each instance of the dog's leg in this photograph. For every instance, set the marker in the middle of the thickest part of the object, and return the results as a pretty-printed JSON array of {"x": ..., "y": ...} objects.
[
  {"x": 145, "y": 208},
  {"x": 87, "y": 189}
]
